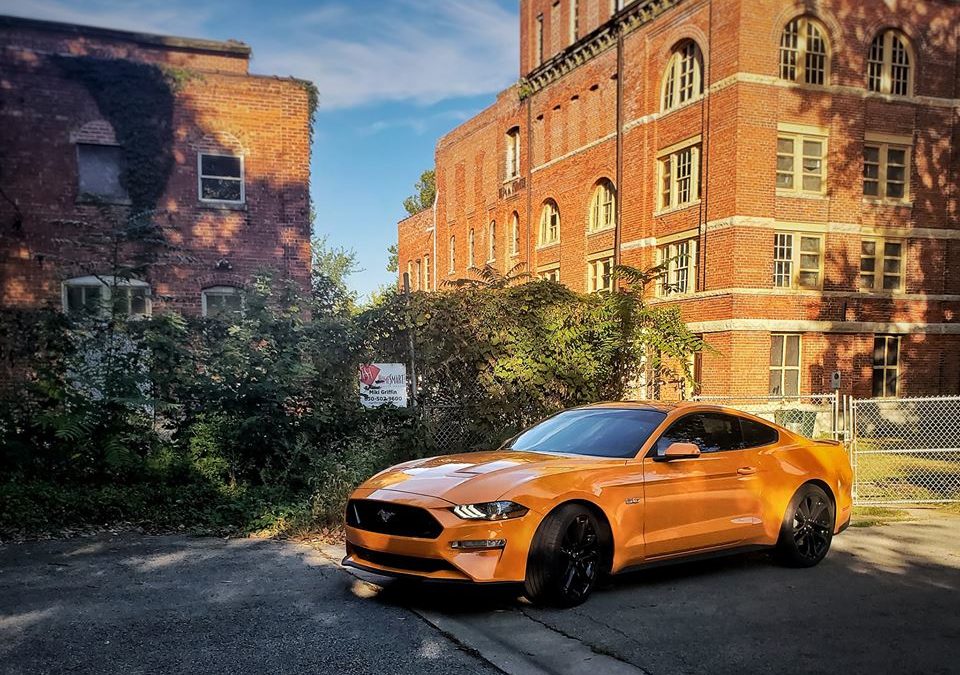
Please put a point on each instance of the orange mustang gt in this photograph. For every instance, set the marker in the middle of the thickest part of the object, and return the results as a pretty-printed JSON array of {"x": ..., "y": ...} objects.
[{"x": 601, "y": 489}]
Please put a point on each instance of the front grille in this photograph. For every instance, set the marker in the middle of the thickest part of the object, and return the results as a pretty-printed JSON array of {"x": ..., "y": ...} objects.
[
  {"x": 402, "y": 562},
  {"x": 400, "y": 520}
]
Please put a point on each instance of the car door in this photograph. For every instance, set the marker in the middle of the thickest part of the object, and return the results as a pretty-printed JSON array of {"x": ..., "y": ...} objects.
[{"x": 702, "y": 502}]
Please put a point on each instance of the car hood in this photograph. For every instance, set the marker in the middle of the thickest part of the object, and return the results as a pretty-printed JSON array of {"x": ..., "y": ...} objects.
[{"x": 477, "y": 476}]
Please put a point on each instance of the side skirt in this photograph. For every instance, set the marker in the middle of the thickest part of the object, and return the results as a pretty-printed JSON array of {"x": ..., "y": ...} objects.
[{"x": 694, "y": 557}]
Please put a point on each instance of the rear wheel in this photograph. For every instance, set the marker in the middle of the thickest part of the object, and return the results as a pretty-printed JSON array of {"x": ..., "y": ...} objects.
[
  {"x": 568, "y": 555},
  {"x": 807, "y": 529}
]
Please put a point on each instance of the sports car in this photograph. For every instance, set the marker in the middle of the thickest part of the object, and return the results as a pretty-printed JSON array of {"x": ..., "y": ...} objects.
[{"x": 599, "y": 490}]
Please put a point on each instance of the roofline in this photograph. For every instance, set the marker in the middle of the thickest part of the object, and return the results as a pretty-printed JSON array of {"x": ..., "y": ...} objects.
[{"x": 229, "y": 47}]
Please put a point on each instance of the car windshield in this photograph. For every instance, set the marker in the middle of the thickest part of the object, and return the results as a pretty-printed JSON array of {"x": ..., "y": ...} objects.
[{"x": 598, "y": 432}]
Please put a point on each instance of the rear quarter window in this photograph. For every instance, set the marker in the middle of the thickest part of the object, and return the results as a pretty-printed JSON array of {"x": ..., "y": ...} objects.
[{"x": 756, "y": 434}]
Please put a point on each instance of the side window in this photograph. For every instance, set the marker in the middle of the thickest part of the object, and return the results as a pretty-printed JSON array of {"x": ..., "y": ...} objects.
[
  {"x": 756, "y": 434},
  {"x": 711, "y": 432}
]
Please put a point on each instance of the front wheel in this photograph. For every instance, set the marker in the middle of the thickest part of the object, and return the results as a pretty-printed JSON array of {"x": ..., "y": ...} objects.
[
  {"x": 567, "y": 557},
  {"x": 807, "y": 529}
]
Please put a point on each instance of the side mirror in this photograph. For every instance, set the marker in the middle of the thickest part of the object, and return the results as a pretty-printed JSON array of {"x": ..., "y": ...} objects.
[{"x": 680, "y": 451}]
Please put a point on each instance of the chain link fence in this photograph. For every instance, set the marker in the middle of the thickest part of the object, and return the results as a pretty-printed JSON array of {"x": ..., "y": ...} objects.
[
  {"x": 905, "y": 451},
  {"x": 814, "y": 415}
]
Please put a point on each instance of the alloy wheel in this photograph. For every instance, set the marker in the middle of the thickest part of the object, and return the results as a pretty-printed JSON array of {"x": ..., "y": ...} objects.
[
  {"x": 811, "y": 527},
  {"x": 580, "y": 555}
]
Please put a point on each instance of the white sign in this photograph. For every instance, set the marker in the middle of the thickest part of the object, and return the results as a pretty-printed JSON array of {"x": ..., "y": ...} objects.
[{"x": 383, "y": 384}]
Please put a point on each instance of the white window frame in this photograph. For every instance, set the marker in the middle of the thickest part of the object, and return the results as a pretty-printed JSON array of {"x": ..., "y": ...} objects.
[
  {"x": 883, "y": 145},
  {"x": 549, "y": 231},
  {"x": 549, "y": 272},
  {"x": 679, "y": 258},
  {"x": 512, "y": 159},
  {"x": 471, "y": 249},
  {"x": 220, "y": 290},
  {"x": 200, "y": 176},
  {"x": 515, "y": 234},
  {"x": 669, "y": 162},
  {"x": 426, "y": 273},
  {"x": 797, "y": 157},
  {"x": 106, "y": 284},
  {"x": 880, "y": 71},
  {"x": 884, "y": 367},
  {"x": 600, "y": 280},
  {"x": 574, "y": 21},
  {"x": 801, "y": 51},
  {"x": 682, "y": 81},
  {"x": 783, "y": 368},
  {"x": 879, "y": 274},
  {"x": 603, "y": 207},
  {"x": 788, "y": 263},
  {"x": 538, "y": 42}
]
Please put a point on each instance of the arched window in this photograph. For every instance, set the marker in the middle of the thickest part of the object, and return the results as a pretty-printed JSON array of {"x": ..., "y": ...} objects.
[
  {"x": 549, "y": 223},
  {"x": 492, "y": 241},
  {"x": 804, "y": 55},
  {"x": 683, "y": 79},
  {"x": 222, "y": 302},
  {"x": 97, "y": 295},
  {"x": 471, "y": 241},
  {"x": 513, "y": 153},
  {"x": 889, "y": 64},
  {"x": 515, "y": 234},
  {"x": 603, "y": 206},
  {"x": 452, "y": 267}
]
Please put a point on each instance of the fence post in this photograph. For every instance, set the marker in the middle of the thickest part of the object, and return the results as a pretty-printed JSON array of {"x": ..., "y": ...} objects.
[{"x": 413, "y": 353}]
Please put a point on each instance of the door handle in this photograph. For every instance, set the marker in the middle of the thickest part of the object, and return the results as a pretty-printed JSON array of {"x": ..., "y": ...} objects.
[{"x": 746, "y": 470}]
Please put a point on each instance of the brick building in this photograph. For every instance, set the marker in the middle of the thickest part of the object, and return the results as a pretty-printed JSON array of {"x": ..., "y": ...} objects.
[
  {"x": 103, "y": 132},
  {"x": 793, "y": 162}
]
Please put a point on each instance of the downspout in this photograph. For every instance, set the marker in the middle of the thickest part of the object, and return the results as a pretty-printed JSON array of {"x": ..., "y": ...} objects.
[
  {"x": 436, "y": 263},
  {"x": 530, "y": 269},
  {"x": 617, "y": 230},
  {"x": 705, "y": 159}
]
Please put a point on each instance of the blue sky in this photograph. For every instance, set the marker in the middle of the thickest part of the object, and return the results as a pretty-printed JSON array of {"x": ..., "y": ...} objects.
[{"x": 393, "y": 76}]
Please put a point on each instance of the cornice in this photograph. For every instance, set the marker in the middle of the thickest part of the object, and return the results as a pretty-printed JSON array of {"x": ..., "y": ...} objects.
[{"x": 630, "y": 18}]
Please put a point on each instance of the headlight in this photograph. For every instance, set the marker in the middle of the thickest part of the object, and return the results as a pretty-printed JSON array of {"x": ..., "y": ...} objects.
[{"x": 490, "y": 511}]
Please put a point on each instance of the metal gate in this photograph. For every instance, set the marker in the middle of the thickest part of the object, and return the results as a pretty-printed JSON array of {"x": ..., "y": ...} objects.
[{"x": 905, "y": 451}]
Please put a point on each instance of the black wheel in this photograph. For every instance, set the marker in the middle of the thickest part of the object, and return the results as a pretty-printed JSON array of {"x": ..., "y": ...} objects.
[
  {"x": 567, "y": 558},
  {"x": 807, "y": 528}
]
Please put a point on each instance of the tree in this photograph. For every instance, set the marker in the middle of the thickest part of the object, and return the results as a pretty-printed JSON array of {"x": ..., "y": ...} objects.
[
  {"x": 331, "y": 267},
  {"x": 426, "y": 191},
  {"x": 393, "y": 258}
]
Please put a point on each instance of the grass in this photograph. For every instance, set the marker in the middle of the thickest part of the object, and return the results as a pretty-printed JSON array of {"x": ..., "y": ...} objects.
[
  {"x": 871, "y": 516},
  {"x": 902, "y": 476}
]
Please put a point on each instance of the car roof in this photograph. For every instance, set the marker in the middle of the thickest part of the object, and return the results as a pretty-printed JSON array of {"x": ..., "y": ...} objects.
[{"x": 662, "y": 406}]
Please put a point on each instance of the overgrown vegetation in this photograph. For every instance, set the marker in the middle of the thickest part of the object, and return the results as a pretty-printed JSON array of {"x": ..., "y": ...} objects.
[
  {"x": 425, "y": 191},
  {"x": 255, "y": 424}
]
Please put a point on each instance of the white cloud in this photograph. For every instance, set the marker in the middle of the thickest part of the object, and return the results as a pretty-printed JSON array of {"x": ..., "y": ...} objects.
[{"x": 421, "y": 51}]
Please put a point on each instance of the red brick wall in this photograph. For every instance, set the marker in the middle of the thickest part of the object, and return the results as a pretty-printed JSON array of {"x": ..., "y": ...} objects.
[
  {"x": 218, "y": 107},
  {"x": 569, "y": 141}
]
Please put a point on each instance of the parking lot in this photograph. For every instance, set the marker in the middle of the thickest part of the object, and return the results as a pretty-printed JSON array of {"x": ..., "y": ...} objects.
[{"x": 885, "y": 600}]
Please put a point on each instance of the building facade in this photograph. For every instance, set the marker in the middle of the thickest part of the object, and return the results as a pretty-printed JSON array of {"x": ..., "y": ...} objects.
[
  {"x": 145, "y": 172},
  {"x": 792, "y": 164}
]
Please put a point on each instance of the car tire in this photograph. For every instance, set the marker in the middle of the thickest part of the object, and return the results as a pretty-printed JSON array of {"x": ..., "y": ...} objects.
[
  {"x": 568, "y": 556},
  {"x": 807, "y": 529}
]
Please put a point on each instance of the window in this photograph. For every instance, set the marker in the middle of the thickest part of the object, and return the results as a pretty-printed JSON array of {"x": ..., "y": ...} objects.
[
  {"x": 98, "y": 172},
  {"x": 492, "y": 242},
  {"x": 600, "y": 275},
  {"x": 96, "y": 296},
  {"x": 471, "y": 249},
  {"x": 538, "y": 54},
  {"x": 800, "y": 163},
  {"x": 603, "y": 206},
  {"x": 886, "y": 171},
  {"x": 222, "y": 302},
  {"x": 797, "y": 260},
  {"x": 886, "y": 365},
  {"x": 574, "y": 20},
  {"x": 784, "y": 365},
  {"x": 757, "y": 434},
  {"x": 803, "y": 52},
  {"x": 426, "y": 273},
  {"x": 888, "y": 64},
  {"x": 409, "y": 280},
  {"x": 513, "y": 153},
  {"x": 549, "y": 223},
  {"x": 680, "y": 267},
  {"x": 515, "y": 234},
  {"x": 711, "y": 432},
  {"x": 683, "y": 78},
  {"x": 680, "y": 178},
  {"x": 550, "y": 273},
  {"x": 881, "y": 265},
  {"x": 598, "y": 432},
  {"x": 416, "y": 283},
  {"x": 452, "y": 267},
  {"x": 221, "y": 178}
]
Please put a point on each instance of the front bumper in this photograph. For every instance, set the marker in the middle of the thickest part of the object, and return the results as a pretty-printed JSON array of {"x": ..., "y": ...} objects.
[{"x": 435, "y": 558}]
